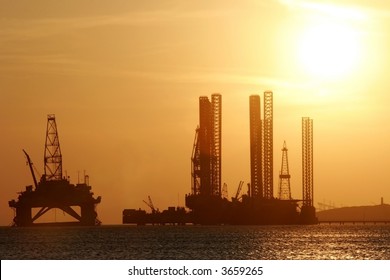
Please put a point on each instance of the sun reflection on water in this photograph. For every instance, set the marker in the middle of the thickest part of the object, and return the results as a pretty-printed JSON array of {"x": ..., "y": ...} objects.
[{"x": 317, "y": 242}]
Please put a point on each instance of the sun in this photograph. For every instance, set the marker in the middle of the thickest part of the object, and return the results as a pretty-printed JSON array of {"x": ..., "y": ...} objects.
[{"x": 329, "y": 50}]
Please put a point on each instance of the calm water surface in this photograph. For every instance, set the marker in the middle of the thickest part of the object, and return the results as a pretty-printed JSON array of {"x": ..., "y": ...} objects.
[{"x": 198, "y": 242}]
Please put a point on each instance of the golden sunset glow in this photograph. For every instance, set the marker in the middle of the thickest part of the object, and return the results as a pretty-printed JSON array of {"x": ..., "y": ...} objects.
[
  {"x": 329, "y": 51},
  {"x": 123, "y": 79}
]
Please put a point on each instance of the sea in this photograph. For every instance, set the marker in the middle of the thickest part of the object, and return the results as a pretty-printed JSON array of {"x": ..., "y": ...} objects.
[{"x": 125, "y": 242}]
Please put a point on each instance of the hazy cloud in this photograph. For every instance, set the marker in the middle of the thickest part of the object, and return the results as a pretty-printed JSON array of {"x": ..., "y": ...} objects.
[
  {"x": 25, "y": 29},
  {"x": 362, "y": 10}
]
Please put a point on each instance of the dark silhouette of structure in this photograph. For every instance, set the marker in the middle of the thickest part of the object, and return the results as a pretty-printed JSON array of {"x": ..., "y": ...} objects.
[
  {"x": 53, "y": 156},
  {"x": 256, "y": 147},
  {"x": 284, "y": 176},
  {"x": 208, "y": 204},
  {"x": 374, "y": 214},
  {"x": 206, "y": 154},
  {"x": 268, "y": 158},
  {"x": 206, "y": 191},
  {"x": 53, "y": 191},
  {"x": 261, "y": 146},
  {"x": 308, "y": 210},
  {"x": 258, "y": 206}
]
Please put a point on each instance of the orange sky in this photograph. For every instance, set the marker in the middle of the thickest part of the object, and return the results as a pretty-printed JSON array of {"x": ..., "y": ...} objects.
[{"x": 123, "y": 79}]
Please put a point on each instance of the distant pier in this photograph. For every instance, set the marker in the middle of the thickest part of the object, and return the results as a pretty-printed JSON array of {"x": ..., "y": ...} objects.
[{"x": 353, "y": 222}]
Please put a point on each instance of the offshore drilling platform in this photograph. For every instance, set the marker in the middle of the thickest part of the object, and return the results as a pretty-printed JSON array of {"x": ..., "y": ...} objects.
[
  {"x": 258, "y": 206},
  {"x": 53, "y": 191}
]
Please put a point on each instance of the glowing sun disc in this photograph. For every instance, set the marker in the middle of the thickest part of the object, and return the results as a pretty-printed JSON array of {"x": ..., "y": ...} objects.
[{"x": 329, "y": 50}]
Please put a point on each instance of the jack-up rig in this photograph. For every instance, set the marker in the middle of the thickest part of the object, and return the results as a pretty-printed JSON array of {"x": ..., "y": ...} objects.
[
  {"x": 207, "y": 200},
  {"x": 54, "y": 191},
  {"x": 258, "y": 206}
]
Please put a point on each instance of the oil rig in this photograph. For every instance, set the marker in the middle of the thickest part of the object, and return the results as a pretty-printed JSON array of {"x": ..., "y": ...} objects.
[
  {"x": 207, "y": 201},
  {"x": 258, "y": 206},
  {"x": 54, "y": 191}
]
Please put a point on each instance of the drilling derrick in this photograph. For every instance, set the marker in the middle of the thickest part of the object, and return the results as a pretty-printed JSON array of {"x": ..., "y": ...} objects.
[
  {"x": 208, "y": 201},
  {"x": 206, "y": 187},
  {"x": 308, "y": 210},
  {"x": 255, "y": 147},
  {"x": 206, "y": 153},
  {"x": 53, "y": 157},
  {"x": 284, "y": 177},
  {"x": 55, "y": 192},
  {"x": 268, "y": 145}
]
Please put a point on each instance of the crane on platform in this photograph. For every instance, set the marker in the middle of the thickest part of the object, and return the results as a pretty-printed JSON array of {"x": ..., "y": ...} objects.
[
  {"x": 30, "y": 164},
  {"x": 237, "y": 196},
  {"x": 150, "y": 204}
]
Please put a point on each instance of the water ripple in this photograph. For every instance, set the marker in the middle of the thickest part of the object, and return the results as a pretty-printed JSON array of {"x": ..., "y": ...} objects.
[{"x": 316, "y": 242}]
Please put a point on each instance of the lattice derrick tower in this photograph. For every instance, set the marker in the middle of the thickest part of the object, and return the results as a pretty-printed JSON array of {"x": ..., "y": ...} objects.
[
  {"x": 206, "y": 154},
  {"x": 268, "y": 145},
  {"x": 256, "y": 146},
  {"x": 284, "y": 176},
  {"x": 307, "y": 161},
  {"x": 52, "y": 157}
]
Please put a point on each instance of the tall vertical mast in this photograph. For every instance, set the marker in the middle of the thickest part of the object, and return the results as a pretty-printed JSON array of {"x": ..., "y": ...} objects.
[
  {"x": 307, "y": 161},
  {"x": 268, "y": 145},
  {"x": 255, "y": 147},
  {"x": 284, "y": 176},
  {"x": 207, "y": 151},
  {"x": 205, "y": 141},
  {"x": 216, "y": 102},
  {"x": 53, "y": 157}
]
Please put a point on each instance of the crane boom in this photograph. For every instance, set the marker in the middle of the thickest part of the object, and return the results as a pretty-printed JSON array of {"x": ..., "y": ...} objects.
[
  {"x": 150, "y": 204},
  {"x": 31, "y": 169},
  {"x": 239, "y": 189}
]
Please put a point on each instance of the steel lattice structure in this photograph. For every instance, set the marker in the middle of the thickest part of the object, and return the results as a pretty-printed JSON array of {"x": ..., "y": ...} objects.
[
  {"x": 53, "y": 157},
  {"x": 284, "y": 176},
  {"x": 256, "y": 146},
  {"x": 206, "y": 154},
  {"x": 268, "y": 145},
  {"x": 55, "y": 192},
  {"x": 216, "y": 103},
  {"x": 307, "y": 161}
]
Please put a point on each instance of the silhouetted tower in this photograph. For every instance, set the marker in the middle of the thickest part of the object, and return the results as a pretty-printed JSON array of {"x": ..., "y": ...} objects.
[
  {"x": 216, "y": 103},
  {"x": 284, "y": 176},
  {"x": 53, "y": 157},
  {"x": 268, "y": 145},
  {"x": 307, "y": 161},
  {"x": 255, "y": 147},
  {"x": 206, "y": 154},
  {"x": 205, "y": 139}
]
